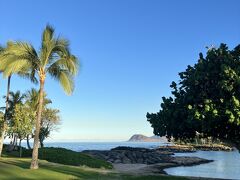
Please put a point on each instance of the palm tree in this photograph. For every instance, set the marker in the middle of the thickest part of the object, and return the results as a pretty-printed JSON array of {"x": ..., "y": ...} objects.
[
  {"x": 14, "y": 98},
  {"x": 54, "y": 59},
  {"x": 4, "y": 125},
  {"x": 6, "y": 58},
  {"x": 32, "y": 100}
]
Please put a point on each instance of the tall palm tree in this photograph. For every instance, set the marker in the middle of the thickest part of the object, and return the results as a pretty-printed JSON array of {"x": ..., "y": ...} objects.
[
  {"x": 54, "y": 59},
  {"x": 4, "y": 123},
  {"x": 6, "y": 58}
]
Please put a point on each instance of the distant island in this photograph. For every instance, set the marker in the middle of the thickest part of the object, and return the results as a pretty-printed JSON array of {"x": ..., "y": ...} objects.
[{"x": 142, "y": 138}]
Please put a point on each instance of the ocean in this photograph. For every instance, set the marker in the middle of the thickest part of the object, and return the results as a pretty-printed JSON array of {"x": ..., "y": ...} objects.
[{"x": 80, "y": 146}]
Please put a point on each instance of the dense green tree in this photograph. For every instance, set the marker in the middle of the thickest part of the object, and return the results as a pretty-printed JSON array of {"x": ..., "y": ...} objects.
[
  {"x": 14, "y": 99},
  {"x": 205, "y": 100},
  {"x": 23, "y": 122},
  {"x": 54, "y": 59}
]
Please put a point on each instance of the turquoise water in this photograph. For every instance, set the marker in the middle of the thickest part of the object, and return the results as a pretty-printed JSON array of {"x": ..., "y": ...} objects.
[{"x": 226, "y": 165}]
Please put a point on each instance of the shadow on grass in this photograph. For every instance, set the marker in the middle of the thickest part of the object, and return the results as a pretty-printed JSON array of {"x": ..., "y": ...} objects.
[
  {"x": 20, "y": 163},
  {"x": 79, "y": 173},
  {"x": 75, "y": 172}
]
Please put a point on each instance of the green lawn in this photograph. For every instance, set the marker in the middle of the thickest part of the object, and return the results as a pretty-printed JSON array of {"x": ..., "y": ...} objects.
[{"x": 18, "y": 168}]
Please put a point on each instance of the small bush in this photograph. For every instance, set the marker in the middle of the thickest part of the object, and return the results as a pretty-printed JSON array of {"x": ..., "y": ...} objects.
[{"x": 68, "y": 157}]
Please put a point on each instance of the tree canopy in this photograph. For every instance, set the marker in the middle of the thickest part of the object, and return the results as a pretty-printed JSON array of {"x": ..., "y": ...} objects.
[{"x": 206, "y": 99}]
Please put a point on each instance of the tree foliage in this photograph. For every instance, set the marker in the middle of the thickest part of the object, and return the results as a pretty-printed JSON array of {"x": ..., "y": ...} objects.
[
  {"x": 23, "y": 120},
  {"x": 22, "y": 116},
  {"x": 50, "y": 121},
  {"x": 205, "y": 100}
]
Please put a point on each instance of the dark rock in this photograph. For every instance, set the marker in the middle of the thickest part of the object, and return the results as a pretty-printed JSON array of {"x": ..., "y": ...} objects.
[{"x": 129, "y": 155}]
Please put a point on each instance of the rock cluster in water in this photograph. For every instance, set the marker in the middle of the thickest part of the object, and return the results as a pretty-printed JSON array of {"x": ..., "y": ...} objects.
[{"x": 129, "y": 155}]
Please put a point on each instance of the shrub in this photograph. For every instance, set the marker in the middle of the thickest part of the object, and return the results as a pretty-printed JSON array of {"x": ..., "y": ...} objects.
[{"x": 68, "y": 157}]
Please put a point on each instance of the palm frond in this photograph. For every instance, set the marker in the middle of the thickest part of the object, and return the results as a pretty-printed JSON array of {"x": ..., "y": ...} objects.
[
  {"x": 1, "y": 48},
  {"x": 29, "y": 75},
  {"x": 18, "y": 57},
  {"x": 64, "y": 77},
  {"x": 54, "y": 49},
  {"x": 16, "y": 66},
  {"x": 47, "y": 45},
  {"x": 66, "y": 81},
  {"x": 22, "y": 50},
  {"x": 47, "y": 35},
  {"x": 69, "y": 64}
]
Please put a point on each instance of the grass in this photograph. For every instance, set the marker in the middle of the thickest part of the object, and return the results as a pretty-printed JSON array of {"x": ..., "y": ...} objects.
[
  {"x": 60, "y": 163},
  {"x": 69, "y": 157},
  {"x": 18, "y": 168}
]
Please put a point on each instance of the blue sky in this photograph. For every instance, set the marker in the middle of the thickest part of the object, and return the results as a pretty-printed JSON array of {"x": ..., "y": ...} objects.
[{"x": 130, "y": 51}]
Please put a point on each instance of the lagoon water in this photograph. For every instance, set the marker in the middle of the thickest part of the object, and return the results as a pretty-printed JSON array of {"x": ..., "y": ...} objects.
[{"x": 226, "y": 164}]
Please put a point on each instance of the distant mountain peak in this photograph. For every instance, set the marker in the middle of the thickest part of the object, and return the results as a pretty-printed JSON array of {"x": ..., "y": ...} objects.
[{"x": 143, "y": 138}]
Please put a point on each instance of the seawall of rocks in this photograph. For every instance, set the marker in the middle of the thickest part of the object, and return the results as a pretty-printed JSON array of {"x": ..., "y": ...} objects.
[{"x": 129, "y": 155}]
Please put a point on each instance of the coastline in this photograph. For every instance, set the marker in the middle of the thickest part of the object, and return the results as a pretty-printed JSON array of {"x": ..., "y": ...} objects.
[
  {"x": 147, "y": 161},
  {"x": 144, "y": 161}
]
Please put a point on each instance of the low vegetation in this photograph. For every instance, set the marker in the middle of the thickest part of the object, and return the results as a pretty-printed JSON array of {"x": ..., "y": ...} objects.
[
  {"x": 68, "y": 157},
  {"x": 61, "y": 156}
]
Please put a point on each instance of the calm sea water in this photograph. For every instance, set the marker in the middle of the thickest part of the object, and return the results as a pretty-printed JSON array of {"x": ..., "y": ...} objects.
[
  {"x": 80, "y": 146},
  {"x": 226, "y": 165}
]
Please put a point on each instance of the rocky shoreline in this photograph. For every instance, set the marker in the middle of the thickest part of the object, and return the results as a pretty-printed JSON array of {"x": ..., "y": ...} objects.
[
  {"x": 194, "y": 148},
  {"x": 145, "y": 161}
]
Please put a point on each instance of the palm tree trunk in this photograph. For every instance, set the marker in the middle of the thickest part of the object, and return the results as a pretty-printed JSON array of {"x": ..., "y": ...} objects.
[
  {"x": 41, "y": 144},
  {"x": 3, "y": 130},
  {"x": 15, "y": 147},
  {"x": 11, "y": 146},
  {"x": 20, "y": 148},
  {"x": 34, "y": 163},
  {"x": 2, "y": 138},
  {"x": 28, "y": 144}
]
